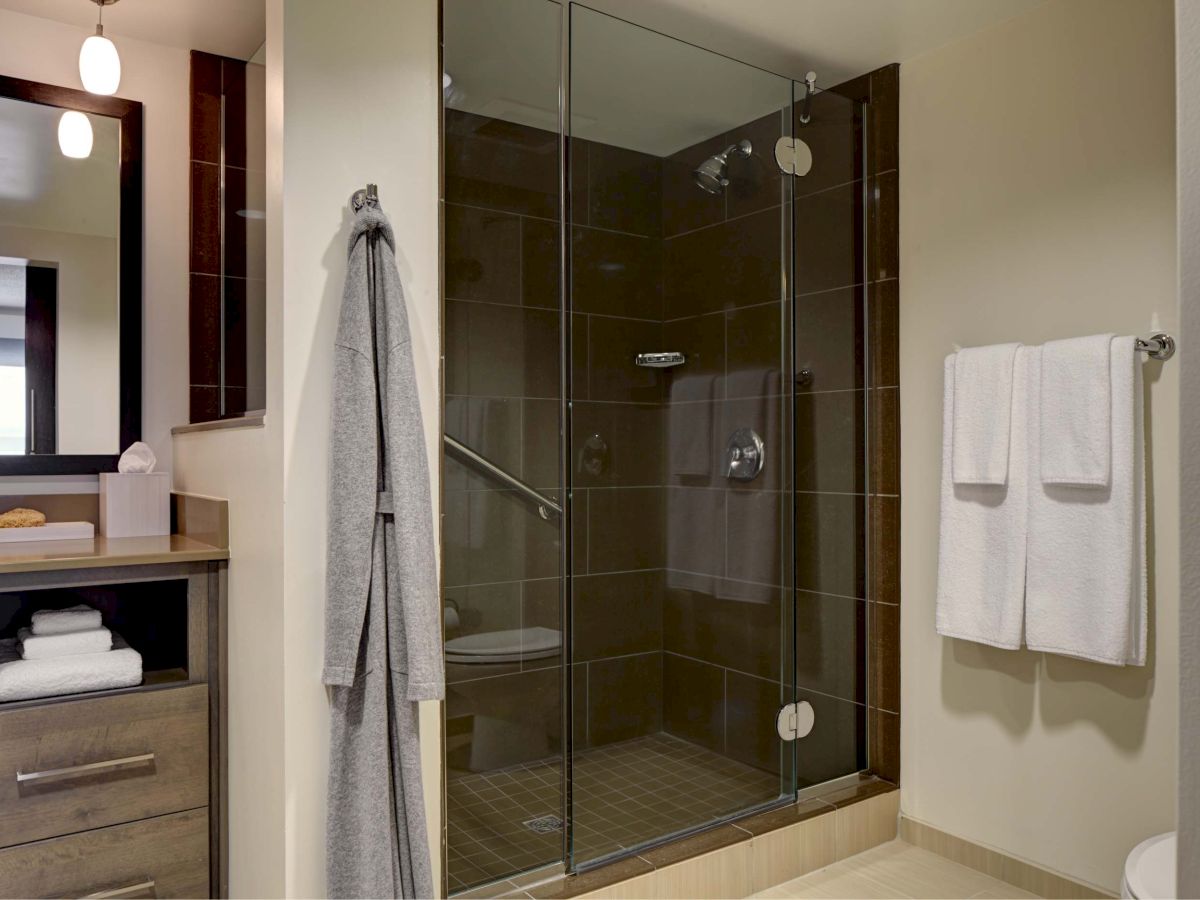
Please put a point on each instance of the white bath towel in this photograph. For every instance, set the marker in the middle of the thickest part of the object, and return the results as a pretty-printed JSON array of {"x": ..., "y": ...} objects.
[
  {"x": 23, "y": 679},
  {"x": 60, "y": 621},
  {"x": 1086, "y": 586},
  {"x": 983, "y": 390},
  {"x": 71, "y": 643},
  {"x": 1076, "y": 410},
  {"x": 981, "y": 546}
]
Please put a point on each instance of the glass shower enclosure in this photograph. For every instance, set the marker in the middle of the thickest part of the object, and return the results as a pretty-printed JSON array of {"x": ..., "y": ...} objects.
[{"x": 654, "y": 510}]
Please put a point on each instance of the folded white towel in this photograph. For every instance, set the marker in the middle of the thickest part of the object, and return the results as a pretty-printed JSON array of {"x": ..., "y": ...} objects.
[
  {"x": 70, "y": 643},
  {"x": 23, "y": 679},
  {"x": 981, "y": 546},
  {"x": 60, "y": 621},
  {"x": 1086, "y": 585},
  {"x": 1076, "y": 410},
  {"x": 983, "y": 391}
]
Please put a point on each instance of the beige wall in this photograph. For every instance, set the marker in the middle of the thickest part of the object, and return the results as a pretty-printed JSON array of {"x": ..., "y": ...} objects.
[
  {"x": 361, "y": 91},
  {"x": 44, "y": 50},
  {"x": 1037, "y": 199},
  {"x": 1187, "y": 68}
]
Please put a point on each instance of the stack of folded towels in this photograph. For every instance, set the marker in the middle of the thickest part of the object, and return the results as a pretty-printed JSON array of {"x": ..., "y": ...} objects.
[{"x": 66, "y": 651}]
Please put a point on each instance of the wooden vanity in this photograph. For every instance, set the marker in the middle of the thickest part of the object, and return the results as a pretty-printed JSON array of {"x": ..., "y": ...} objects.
[{"x": 121, "y": 793}]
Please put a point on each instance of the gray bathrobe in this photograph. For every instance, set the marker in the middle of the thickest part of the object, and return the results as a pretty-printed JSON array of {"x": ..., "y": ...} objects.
[{"x": 382, "y": 636}]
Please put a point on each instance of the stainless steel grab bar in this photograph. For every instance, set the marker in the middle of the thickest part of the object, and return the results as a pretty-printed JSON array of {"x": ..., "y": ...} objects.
[{"x": 548, "y": 509}]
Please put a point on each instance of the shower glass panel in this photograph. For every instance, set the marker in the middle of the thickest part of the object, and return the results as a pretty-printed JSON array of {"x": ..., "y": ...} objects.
[
  {"x": 501, "y": 534},
  {"x": 680, "y": 454}
]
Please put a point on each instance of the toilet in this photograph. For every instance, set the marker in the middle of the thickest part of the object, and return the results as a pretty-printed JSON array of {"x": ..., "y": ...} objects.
[
  {"x": 512, "y": 646},
  {"x": 1150, "y": 869}
]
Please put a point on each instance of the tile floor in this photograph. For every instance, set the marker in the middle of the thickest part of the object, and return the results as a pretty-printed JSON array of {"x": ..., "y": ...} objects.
[
  {"x": 626, "y": 793},
  {"x": 895, "y": 870}
]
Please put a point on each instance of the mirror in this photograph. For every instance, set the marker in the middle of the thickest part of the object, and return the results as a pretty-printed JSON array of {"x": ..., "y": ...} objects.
[{"x": 70, "y": 278}]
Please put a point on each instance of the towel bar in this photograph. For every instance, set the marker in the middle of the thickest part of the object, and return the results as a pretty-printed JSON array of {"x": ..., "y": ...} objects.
[{"x": 1160, "y": 346}]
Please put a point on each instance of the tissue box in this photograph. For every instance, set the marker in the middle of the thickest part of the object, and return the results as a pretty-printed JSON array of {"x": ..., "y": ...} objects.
[{"x": 135, "y": 505}]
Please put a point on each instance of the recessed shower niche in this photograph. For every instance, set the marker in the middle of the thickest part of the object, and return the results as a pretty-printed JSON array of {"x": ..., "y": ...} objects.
[{"x": 655, "y": 497}]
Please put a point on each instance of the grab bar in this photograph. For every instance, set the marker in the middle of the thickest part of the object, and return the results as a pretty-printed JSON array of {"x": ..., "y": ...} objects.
[{"x": 547, "y": 508}]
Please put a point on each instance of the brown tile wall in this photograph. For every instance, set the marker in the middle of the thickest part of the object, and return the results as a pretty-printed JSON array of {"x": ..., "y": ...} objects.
[{"x": 211, "y": 78}]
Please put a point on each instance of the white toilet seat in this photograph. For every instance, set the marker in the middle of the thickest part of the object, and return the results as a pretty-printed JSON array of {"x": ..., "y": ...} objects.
[
  {"x": 1150, "y": 869},
  {"x": 494, "y": 647}
]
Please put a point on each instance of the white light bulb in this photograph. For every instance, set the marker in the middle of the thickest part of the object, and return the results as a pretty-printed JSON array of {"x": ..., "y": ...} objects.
[
  {"x": 75, "y": 135},
  {"x": 99, "y": 65}
]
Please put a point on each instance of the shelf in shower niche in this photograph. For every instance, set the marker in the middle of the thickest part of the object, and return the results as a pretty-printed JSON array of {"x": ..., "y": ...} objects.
[{"x": 660, "y": 360}]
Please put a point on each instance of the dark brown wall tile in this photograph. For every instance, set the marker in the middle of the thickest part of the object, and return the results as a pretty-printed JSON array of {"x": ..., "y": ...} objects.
[
  {"x": 204, "y": 330},
  {"x": 500, "y": 165},
  {"x": 829, "y": 442},
  {"x": 832, "y": 134},
  {"x": 702, "y": 340},
  {"x": 885, "y": 549},
  {"x": 883, "y": 246},
  {"x": 512, "y": 351},
  {"x": 831, "y": 645},
  {"x": 617, "y": 444},
  {"x": 617, "y": 615},
  {"x": 206, "y": 235},
  {"x": 885, "y": 440},
  {"x": 752, "y": 705},
  {"x": 632, "y": 692},
  {"x": 829, "y": 340},
  {"x": 624, "y": 190},
  {"x": 457, "y": 342},
  {"x": 235, "y": 334},
  {"x": 625, "y": 529},
  {"x": 483, "y": 255},
  {"x": 490, "y": 427},
  {"x": 527, "y": 703},
  {"x": 205, "y": 107},
  {"x": 541, "y": 246},
  {"x": 616, "y": 274},
  {"x": 830, "y": 543},
  {"x": 203, "y": 404},
  {"x": 725, "y": 266},
  {"x": 885, "y": 745},
  {"x": 755, "y": 183},
  {"x": 694, "y": 701},
  {"x": 508, "y": 542},
  {"x": 613, "y": 375},
  {"x": 718, "y": 628},
  {"x": 828, "y": 231},
  {"x": 837, "y": 745},
  {"x": 885, "y": 121},
  {"x": 685, "y": 206},
  {"x": 754, "y": 350},
  {"x": 233, "y": 87},
  {"x": 539, "y": 445},
  {"x": 885, "y": 333},
  {"x": 885, "y": 656},
  {"x": 235, "y": 225}
]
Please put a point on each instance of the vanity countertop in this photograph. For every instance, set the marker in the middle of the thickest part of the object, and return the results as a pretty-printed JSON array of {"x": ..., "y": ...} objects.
[{"x": 91, "y": 553}]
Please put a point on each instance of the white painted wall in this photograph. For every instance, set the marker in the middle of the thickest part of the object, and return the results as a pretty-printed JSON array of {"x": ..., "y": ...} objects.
[
  {"x": 44, "y": 50},
  {"x": 361, "y": 91},
  {"x": 88, "y": 357},
  {"x": 1187, "y": 88},
  {"x": 1037, "y": 200}
]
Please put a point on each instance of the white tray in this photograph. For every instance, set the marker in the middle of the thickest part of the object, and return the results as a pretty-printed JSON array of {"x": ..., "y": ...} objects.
[{"x": 51, "y": 531}]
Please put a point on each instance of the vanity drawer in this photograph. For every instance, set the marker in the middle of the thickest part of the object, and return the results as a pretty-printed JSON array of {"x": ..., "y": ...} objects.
[
  {"x": 80, "y": 764},
  {"x": 162, "y": 857}
]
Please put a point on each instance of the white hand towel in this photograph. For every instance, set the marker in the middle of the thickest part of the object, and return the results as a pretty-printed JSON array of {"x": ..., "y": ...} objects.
[
  {"x": 60, "y": 621},
  {"x": 1086, "y": 585},
  {"x": 983, "y": 390},
  {"x": 23, "y": 679},
  {"x": 1076, "y": 411},
  {"x": 981, "y": 546},
  {"x": 48, "y": 646}
]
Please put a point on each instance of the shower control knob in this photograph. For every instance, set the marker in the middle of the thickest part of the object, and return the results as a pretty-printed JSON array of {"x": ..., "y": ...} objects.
[{"x": 745, "y": 455}]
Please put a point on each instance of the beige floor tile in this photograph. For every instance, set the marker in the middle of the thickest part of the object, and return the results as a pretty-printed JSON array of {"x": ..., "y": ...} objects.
[{"x": 1009, "y": 892}]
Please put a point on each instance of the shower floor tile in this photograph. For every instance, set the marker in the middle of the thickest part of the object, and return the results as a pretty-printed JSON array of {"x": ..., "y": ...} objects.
[{"x": 626, "y": 794}]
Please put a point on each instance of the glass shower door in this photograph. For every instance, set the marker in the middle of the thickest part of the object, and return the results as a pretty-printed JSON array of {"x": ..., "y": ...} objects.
[{"x": 679, "y": 458}]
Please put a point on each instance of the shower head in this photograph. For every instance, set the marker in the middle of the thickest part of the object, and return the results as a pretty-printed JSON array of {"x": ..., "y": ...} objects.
[{"x": 710, "y": 174}]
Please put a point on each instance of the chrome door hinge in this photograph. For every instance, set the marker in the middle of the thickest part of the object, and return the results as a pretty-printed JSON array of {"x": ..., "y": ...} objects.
[
  {"x": 795, "y": 720},
  {"x": 793, "y": 156}
]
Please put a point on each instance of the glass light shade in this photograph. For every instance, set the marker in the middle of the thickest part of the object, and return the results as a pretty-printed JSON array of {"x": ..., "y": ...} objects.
[
  {"x": 75, "y": 135},
  {"x": 99, "y": 65}
]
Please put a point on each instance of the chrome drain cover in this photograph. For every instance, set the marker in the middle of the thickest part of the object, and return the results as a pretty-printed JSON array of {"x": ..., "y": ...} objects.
[{"x": 544, "y": 824}]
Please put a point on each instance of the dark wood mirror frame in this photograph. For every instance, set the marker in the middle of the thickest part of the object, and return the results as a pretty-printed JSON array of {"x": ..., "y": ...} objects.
[{"x": 129, "y": 302}]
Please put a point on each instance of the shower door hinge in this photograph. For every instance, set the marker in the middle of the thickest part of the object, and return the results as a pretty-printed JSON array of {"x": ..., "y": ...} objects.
[
  {"x": 795, "y": 720},
  {"x": 793, "y": 156}
]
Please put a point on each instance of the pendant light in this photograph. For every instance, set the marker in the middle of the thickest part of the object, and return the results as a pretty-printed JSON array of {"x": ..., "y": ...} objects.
[
  {"x": 75, "y": 135},
  {"x": 99, "y": 64}
]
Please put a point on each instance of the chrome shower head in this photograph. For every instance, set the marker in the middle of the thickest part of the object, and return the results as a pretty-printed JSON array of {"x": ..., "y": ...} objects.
[{"x": 710, "y": 175}]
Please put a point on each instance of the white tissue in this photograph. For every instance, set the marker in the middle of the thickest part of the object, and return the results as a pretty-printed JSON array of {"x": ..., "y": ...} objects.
[{"x": 139, "y": 458}]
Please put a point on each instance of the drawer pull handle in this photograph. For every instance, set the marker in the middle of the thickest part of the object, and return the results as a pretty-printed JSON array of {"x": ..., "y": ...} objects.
[
  {"x": 85, "y": 769},
  {"x": 142, "y": 887}
]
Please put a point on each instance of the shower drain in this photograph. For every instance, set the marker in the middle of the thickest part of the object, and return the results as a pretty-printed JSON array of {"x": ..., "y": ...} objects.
[{"x": 544, "y": 824}]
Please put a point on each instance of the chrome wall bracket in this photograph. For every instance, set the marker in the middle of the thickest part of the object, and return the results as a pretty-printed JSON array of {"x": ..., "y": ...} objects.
[
  {"x": 793, "y": 156},
  {"x": 795, "y": 720}
]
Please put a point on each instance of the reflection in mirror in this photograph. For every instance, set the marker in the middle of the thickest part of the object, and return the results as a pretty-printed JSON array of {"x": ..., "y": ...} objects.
[{"x": 59, "y": 286}]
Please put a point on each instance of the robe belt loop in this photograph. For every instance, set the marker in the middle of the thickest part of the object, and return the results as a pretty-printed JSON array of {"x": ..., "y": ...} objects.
[{"x": 383, "y": 504}]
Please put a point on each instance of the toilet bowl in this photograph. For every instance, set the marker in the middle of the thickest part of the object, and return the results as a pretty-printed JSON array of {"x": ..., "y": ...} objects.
[
  {"x": 495, "y": 647},
  {"x": 1150, "y": 869}
]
